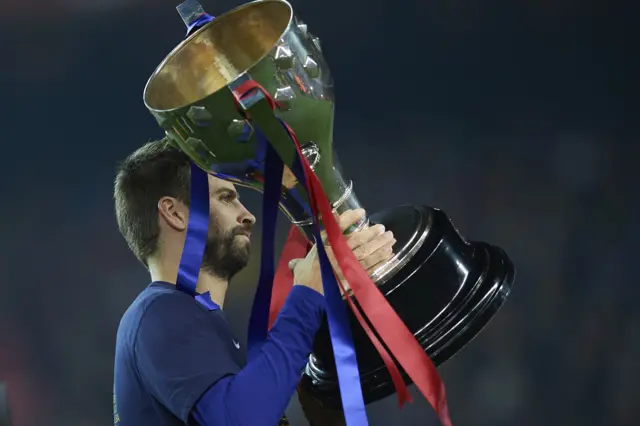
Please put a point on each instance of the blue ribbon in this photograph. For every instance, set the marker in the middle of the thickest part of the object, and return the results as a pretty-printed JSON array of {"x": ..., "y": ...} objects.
[
  {"x": 205, "y": 300},
  {"x": 196, "y": 239},
  {"x": 339, "y": 328},
  {"x": 198, "y": 225},
  {"x": 337, "y": 317},
  {"x": 201, "y": 20},
  {"x": 197, "y": 232},
  {"x": 191, "y": 260},
  {"x": 259, "y": 319}
]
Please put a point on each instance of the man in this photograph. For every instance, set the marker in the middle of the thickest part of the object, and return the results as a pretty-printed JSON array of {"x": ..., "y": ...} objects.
[{"x": 177, "y": 361}]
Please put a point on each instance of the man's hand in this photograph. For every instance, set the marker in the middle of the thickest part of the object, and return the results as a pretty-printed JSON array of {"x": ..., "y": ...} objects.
[{"x": 371, "y": 246}]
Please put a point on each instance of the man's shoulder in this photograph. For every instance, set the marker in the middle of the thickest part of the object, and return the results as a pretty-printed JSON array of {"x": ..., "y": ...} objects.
[
  {"x": 155, "y": 297},
  {"x": 158, "y": 302},
  {"x": 152, "y": 293}
]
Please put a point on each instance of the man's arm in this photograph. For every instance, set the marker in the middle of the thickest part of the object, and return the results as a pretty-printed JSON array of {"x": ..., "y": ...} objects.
[
  {"x": 260, "y": 392},
  {"x": 186, "y": 365}
]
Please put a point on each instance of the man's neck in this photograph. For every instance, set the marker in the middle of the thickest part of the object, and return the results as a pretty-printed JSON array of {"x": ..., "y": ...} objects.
[{"x": 216, "y": 286}]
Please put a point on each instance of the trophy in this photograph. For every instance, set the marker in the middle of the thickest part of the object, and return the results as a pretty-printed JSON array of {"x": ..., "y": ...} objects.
[{"x": 444, "y": 288}]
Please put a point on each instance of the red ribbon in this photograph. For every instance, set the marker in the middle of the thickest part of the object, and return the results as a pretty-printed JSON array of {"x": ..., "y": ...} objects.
[
  {"x": 393, "y": 332},
  {"x": 296, "y": 247},
  {"x": 316, "y": 187}
]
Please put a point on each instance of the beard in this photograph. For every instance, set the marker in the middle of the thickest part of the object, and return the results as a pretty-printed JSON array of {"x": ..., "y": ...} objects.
[{"x": 226, "y": 253}]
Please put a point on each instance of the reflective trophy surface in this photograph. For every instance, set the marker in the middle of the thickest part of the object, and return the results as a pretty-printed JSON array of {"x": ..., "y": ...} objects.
[{"x": 444, "y": 288}]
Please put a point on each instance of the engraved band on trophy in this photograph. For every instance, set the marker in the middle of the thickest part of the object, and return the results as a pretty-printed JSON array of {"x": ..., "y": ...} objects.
[{"x": 443, "y": 287}]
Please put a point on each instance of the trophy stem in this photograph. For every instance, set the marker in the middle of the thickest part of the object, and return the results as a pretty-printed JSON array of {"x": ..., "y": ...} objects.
[{"x": 338, "y": 188}]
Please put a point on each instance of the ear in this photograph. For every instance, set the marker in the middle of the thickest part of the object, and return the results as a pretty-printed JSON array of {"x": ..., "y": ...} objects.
[{"x": 174, "y": 213}]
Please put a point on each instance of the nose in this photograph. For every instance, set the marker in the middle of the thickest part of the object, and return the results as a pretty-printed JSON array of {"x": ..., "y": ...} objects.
[{"x": 246, "y": 218}]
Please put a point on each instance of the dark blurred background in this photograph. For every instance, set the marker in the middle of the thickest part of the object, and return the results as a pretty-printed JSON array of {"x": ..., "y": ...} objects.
[{"x": 516, "y": 118}]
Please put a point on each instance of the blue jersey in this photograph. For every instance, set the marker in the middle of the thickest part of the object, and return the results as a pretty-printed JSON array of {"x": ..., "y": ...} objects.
[{"x": 177, "y": 362}]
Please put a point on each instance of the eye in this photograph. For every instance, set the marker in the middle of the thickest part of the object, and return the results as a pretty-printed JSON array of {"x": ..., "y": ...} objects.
[{"x": 228, "y": 197}]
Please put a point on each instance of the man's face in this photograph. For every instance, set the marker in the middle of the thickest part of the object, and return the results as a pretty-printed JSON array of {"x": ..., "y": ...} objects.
[{"x": 228, "y": 246}]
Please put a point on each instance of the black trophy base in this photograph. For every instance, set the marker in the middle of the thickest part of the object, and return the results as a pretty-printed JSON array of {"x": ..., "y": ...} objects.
[{"x": 445, "y": 290}]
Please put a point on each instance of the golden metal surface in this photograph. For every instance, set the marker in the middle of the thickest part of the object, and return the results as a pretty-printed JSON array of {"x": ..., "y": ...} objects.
[{"x": 217, "y": 54}]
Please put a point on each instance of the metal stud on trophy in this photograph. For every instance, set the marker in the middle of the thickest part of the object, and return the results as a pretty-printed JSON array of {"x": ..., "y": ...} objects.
[{"x": 444, "y": 288}]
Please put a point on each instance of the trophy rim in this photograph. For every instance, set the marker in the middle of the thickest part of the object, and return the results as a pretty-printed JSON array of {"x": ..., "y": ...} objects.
[{"x": 187, "y": 41}]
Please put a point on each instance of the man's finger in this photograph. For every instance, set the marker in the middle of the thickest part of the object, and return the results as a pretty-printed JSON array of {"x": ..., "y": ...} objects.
[
  {"x": 364, "y": 236},
  {"x": 371, "y": 246},
  {"x": 350, "y": 218},
  {"x": 381, "y": 255},
  {"x": 345, "y": 220}
]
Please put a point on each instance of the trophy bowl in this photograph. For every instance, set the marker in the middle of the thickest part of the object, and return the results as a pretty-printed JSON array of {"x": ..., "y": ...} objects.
[{"x": 444, "y": 288}]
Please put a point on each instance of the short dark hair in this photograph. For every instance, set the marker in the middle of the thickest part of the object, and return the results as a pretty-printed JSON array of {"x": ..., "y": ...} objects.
[{"x": 155, "y": 170}]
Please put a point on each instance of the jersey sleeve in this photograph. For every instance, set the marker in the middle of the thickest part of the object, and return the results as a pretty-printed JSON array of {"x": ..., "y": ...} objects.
[
  {"x": 179, "y": 352},
  {"x": 270, "y": 378}
]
